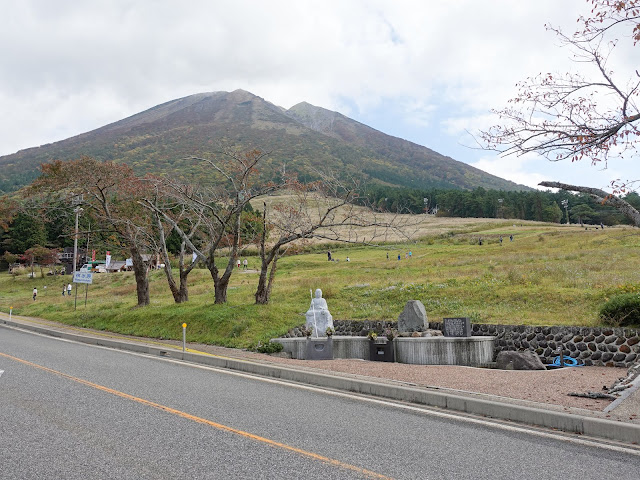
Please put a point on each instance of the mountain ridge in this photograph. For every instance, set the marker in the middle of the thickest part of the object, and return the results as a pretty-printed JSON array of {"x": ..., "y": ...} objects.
[{"x": 159, "y": 139}]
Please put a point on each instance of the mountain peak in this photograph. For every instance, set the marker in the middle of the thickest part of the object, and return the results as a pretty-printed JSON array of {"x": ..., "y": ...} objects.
[
  {"x": 242, "y": 95},
  {"x": 307, "y": 137}
]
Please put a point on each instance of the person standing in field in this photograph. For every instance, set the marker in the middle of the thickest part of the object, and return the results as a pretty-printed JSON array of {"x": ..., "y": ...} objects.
[
  {"x": 64, "y": 289},
  {"x": 245, "y": 264},
  {"x": 35, "y": 293},
  {"x": 69, "y": 287}
]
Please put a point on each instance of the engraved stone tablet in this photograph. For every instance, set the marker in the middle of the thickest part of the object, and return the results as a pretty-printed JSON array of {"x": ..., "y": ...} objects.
[{"x": 457, "y": 327}]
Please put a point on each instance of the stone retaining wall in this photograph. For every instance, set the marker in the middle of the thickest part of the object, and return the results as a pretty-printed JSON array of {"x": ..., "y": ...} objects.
[
  {"x": 351, "y": 328},
  {"x": 612, "y": 347}
]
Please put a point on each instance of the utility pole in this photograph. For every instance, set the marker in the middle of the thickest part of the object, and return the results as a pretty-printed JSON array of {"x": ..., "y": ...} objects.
[
  {"x": 565, "y": 204},
  {"x": 77, "y": 200}
]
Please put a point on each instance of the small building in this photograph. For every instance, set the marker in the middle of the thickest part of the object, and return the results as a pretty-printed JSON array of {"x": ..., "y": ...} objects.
[{"x": 117, "y": 266}]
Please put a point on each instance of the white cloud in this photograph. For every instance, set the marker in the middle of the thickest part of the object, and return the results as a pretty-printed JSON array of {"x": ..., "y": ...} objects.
[
  {"x": 512, "y": 168},
  {"x": 427, "y": 69}
]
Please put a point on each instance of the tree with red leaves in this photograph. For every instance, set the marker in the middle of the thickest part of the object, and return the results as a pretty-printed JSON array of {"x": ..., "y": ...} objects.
[{"x": 110, "y": 192}]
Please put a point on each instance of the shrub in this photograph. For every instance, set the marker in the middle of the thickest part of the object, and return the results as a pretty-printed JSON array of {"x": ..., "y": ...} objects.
[
  {"x": 269, "y": 347},
  {"x": 621, "y": 310}
]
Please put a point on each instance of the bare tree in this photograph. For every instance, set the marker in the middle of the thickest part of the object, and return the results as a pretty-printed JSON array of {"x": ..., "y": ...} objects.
[
  {"x": 162, "y": 207},
  {"x": 326, "y": 210},
  {"x": 217, "y": 208},
  {"x": 570, "y": 116}
]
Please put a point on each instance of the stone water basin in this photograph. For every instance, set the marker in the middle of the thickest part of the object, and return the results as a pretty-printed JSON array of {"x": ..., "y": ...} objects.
[{"x": 474, "y": 351}]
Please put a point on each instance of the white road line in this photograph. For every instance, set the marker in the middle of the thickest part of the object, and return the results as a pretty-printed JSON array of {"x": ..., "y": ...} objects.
[{"x": 424, "y": 410}]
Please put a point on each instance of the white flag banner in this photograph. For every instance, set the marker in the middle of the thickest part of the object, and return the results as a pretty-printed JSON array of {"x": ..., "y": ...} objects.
[
  {"x": 194, "y": 258},
  {"x": 108, "y": 259}
]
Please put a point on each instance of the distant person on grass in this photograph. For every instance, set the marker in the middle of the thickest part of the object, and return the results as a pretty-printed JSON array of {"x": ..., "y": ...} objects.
[
  {"x": 64, "y": 289},
  {"x": 69, "y": 287},
  {"x": 35, "y": 293},
  {"x": 245, "y": 264}
]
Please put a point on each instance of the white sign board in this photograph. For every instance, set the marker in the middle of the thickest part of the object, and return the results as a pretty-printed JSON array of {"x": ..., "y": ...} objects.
[{"x": 83, "y": 277}]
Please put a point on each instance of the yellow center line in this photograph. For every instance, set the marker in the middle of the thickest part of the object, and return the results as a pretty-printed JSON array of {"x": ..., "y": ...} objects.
[{"x": 219, "y": 426}]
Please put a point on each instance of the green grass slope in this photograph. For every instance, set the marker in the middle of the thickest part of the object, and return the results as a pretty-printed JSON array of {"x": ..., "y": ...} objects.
[{"x": 549, "y": 275}]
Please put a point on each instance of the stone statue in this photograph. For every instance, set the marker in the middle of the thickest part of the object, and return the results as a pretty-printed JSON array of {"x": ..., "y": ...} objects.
[{"x": 318, "y": 316}]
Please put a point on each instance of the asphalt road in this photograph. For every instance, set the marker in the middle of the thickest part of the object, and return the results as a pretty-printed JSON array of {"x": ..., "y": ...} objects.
[{"x": 70, "y": 411}]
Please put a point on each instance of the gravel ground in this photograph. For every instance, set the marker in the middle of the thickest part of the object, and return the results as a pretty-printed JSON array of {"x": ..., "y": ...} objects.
[{"x": 548, "y": 387}]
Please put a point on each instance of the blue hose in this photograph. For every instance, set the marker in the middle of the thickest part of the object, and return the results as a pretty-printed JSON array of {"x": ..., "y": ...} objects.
[{"x": 568, "y": 362}]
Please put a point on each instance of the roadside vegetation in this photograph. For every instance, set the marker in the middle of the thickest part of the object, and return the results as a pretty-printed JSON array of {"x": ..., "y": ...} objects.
[{"x": 548, "y": 275}]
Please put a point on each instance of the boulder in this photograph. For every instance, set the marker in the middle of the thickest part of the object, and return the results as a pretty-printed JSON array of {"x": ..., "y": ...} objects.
[
  {"x": 413, "y": 318},
  {"x": 519, "y": 361}
]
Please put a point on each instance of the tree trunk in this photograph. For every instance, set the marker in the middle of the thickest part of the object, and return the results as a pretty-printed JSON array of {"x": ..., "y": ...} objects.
[
  {"x": 171, "y": 282},
  {"x": 262, "y": 296},
  {"x": 263, "y": 293},
  {"x": 220, "y": 286},
  {"x": 141, "y": 276},
  {"x": 180, "y": 292},
  {"x": 183, "y": 292},
  {"x": 220, "y": 283}
]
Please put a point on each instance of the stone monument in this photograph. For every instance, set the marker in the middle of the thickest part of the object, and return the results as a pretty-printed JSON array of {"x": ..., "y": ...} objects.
[
  {"x": 318, "y": 316},
  {"x": 413, "y": 318}
]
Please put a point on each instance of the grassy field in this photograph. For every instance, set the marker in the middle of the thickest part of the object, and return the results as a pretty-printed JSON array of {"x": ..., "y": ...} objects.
[{"x": 549, "y": 275}]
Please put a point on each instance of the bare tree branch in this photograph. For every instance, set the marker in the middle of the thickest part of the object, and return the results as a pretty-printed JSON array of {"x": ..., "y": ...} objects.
[{"x": 601, "y": 196}]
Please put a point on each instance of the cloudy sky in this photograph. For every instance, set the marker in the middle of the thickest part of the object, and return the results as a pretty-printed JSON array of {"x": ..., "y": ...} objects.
[{"x": 427, "y": 70}]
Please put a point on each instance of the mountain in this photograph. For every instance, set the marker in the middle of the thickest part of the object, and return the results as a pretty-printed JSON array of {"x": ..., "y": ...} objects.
[{"x": 306, "y": 137}]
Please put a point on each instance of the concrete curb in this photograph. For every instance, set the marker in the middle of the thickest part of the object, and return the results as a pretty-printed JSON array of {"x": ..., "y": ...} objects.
[{"x": 567, "y": 422}]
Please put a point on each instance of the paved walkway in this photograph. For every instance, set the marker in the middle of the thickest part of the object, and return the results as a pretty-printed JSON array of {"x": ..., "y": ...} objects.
[{"x": 485, "y": 388}]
